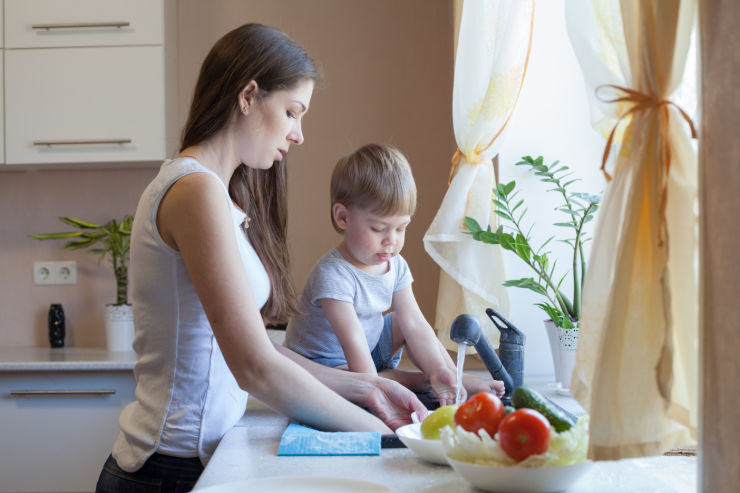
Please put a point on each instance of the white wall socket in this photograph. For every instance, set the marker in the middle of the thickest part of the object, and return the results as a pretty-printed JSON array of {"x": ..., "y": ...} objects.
[{"x": 62, "y": 272}]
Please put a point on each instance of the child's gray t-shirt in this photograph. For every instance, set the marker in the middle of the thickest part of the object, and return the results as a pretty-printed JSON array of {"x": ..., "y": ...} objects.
[{"x": 310, "y": 333}]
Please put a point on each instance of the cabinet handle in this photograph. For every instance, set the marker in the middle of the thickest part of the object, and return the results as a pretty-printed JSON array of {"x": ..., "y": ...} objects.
[
  {"x": 80, "y": 25},
  {"x": 80, "y": 142},
  {"x": 47, "y": 393}
]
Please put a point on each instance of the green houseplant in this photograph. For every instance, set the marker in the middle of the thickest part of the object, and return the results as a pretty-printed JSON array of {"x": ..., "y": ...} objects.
[
  {"x": 513, "y": 235},
  {"x": 111, "y": 240}
]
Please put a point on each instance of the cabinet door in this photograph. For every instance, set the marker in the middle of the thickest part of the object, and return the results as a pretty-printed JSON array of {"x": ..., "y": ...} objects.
[
  {"x": 84, "y": 105},
  {"x": 69, "y": 23},
  {"x": 2, "y": 120},
  {"x": 58, "y": 441}
]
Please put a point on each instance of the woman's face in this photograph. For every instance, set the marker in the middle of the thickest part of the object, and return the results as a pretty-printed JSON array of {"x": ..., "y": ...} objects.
[{"x": 272, "y": 124}]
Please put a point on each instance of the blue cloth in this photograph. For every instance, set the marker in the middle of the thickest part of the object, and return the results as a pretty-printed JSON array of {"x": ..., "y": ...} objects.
[{"x": 301, "y": 440}]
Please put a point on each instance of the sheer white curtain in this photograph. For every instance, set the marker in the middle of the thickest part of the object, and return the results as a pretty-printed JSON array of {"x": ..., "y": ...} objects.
[
  {"x": 492, "y": 54},
  {"x": 636, "y": 369}
]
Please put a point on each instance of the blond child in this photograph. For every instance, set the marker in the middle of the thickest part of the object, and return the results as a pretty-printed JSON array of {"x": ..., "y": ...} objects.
[{"x": 342, "y": 322}]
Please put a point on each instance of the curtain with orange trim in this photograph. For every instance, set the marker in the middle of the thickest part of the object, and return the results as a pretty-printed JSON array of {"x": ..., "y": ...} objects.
[
  {"x": 637, "y": 363},
  {"x": 493, "y": 46}
]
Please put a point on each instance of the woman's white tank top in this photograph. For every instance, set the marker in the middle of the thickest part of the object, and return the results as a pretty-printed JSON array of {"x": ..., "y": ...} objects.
[{"x": 186, "y": 397}]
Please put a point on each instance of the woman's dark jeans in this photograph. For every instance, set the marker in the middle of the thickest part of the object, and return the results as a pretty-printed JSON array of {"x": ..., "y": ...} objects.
[{"x": 159, "y": 474}]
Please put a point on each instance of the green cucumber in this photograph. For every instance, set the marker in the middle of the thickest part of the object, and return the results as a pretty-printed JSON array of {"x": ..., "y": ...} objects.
[
  {"x": 508, "y": 410},
  {"x": 559, "y": 418}
]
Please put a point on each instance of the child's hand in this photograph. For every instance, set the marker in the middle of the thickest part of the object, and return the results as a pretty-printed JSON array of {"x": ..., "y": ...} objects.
[
  {"x": 475, "y": 384},
  {"x": 444, "y": 385}
]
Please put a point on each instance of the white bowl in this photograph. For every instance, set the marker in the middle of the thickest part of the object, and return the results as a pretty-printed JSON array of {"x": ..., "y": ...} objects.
[
  {"x": 520, "y": 479},
  {"x": 429, "y": 450}
]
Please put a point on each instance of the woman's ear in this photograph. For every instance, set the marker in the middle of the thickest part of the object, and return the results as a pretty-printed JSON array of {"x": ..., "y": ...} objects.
[
  {"x": 340, "y": 214},
  {"x": 247, "y": 96}
]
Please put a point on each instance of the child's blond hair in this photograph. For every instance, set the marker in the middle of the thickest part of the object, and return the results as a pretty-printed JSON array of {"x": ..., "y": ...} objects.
[{"x": 374, "y": 177}]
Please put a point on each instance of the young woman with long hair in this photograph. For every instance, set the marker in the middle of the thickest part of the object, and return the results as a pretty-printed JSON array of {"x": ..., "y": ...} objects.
[{"x": 209, "y": 266}]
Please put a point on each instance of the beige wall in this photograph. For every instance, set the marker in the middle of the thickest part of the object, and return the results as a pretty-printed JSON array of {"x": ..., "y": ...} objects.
[{"x": 387, "y": 66}]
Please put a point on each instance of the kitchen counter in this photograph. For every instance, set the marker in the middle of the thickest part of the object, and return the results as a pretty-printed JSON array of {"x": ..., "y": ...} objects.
[
  {"x": 64, "y": 359},
  {"x": 249, "y": 450}
]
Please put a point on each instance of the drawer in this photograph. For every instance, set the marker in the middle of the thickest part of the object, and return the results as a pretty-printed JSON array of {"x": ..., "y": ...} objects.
[
  {"x": 70, "y": 23},
  {"x": 59, "y": 427},
  {"x": 84, "y": 105}
]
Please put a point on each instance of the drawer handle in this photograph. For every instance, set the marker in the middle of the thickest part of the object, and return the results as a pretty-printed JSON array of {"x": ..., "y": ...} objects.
[
  {"x": 80, "y": 25},
  {"x": 47, "y": 393},
  {"x": 80, "y": 142}
]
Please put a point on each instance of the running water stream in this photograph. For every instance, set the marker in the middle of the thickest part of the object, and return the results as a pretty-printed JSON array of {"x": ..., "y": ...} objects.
[{"x": 461, "y": 347}]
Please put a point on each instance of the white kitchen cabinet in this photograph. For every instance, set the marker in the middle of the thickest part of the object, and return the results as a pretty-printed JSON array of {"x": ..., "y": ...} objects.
[
  {"x": 69, "y": 23},
  {"x": 114, "y": 113},
  {"x": 89, "y": 81},
  {"x": 59, "y": 411},
  {"x": 58, "y": 427}
]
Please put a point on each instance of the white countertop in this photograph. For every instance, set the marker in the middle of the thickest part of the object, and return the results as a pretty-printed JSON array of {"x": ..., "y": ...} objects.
[
  {"x": 249, "y": 451},
  {"x": 64, "y": 359}
]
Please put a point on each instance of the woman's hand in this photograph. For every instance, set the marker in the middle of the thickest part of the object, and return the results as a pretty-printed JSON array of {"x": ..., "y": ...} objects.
[
  {"x": 389, "y": 401},
  {"x": 393, "y": 403}
]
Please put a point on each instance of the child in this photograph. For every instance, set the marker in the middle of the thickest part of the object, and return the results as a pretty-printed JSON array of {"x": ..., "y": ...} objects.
[{"x": 341, "y": 324}]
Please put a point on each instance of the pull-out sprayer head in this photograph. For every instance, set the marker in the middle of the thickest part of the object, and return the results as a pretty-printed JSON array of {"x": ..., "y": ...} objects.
[{"x": 465, "y": 329}]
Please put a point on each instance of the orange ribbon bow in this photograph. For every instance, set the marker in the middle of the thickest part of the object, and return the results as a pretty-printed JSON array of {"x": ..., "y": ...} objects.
[{"x": 640, "y": 101}]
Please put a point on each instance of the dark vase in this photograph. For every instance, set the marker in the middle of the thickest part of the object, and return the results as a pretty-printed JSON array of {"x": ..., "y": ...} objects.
[{"x": 56, "y": 325}]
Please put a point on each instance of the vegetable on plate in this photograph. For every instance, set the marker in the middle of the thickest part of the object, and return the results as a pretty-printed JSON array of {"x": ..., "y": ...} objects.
[
  {"x": 483, "y": 411},
  {"x": 523, "y": 433},
  {"x": 559, "y": 418}
]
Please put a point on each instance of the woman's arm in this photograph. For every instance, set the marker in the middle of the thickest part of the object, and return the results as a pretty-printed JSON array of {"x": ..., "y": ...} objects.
[
  {"x": 194, "y": 217},
  {"x": 390, "y": 401},
  {"x": 343, "y": 320}
]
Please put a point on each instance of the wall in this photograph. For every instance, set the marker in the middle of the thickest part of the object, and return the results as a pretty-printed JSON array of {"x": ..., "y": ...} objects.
[{"x": 387, "y": 69}]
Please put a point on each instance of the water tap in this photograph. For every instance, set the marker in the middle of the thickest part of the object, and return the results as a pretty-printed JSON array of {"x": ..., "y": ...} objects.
[
  {"x": 465, "y": 329},
  {"x": 510, "y": 346}
]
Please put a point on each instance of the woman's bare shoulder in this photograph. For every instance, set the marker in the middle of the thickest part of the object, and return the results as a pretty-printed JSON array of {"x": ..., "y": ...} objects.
[{"x": 197, "y": 201}]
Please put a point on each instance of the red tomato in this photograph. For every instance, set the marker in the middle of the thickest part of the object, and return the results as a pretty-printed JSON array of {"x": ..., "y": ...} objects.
[
  {"x": 483, "y": 410},
  {"x": 523, "y": 433}
]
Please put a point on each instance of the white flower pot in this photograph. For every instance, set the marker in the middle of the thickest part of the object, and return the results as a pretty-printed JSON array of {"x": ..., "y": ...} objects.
[
  {"x": 563, "y": 345},
  {"x": 119, "y": 327}
]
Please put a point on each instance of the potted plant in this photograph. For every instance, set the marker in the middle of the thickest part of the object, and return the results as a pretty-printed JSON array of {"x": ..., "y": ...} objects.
[
  {"x": 563, "y": 311},
  {"x": 111, "y": 241}
]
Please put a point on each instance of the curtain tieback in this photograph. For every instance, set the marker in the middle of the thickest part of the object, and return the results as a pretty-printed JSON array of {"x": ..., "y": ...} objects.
[
  {"x": 472, "y": 157},
  {"x": 640, "y": 101}
]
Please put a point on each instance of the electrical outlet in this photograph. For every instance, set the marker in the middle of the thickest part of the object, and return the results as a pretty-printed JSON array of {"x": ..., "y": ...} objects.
[{"x": 62, "y": 272}]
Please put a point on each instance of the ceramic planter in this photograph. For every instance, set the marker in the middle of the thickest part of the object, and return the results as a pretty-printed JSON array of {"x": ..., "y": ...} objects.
[
  {"x": 563, "y": 344},
  {"x": 119, "y": 327}
]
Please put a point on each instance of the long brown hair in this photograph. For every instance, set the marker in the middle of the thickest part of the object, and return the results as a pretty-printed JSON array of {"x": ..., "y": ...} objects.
[{"x": 275, "y": 62}]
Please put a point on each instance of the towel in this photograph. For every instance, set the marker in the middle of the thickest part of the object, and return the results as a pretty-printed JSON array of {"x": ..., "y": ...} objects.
[{"x": 301, "y": 440}]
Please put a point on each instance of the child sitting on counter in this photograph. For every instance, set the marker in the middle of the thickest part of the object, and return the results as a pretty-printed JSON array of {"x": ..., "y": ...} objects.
[{"x": 342, "y": 322}]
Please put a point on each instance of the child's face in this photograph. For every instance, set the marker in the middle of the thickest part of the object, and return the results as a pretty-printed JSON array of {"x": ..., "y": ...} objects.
[{"x": 369, "y": 239}]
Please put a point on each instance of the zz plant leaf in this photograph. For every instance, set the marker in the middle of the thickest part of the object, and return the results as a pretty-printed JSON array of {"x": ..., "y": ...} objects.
[{"x": 578, "y": 208}]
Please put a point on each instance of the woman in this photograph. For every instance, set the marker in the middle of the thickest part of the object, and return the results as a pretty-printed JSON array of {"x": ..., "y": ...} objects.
[{"x": 209, "y": 264}]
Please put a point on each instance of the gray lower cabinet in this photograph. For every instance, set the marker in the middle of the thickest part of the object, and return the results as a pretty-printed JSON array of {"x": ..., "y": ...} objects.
[{"x": 58, "y": 427}]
